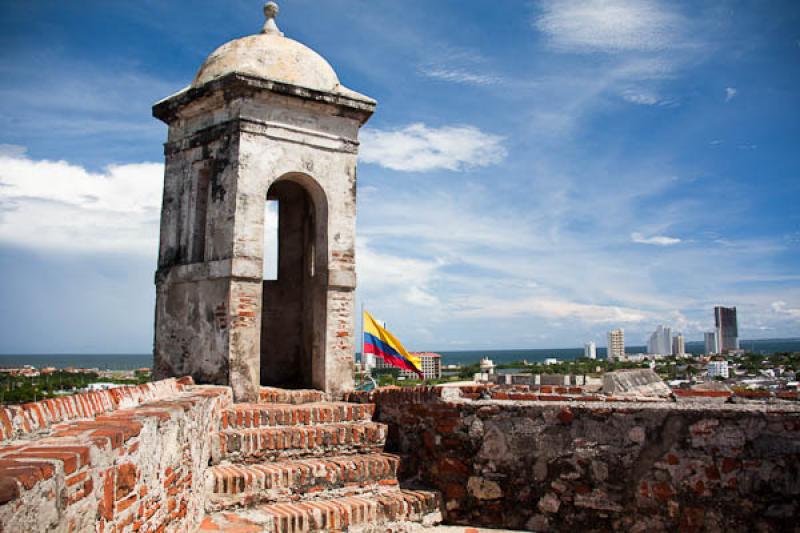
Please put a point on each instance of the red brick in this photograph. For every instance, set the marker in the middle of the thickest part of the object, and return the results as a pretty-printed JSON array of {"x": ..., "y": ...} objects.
[
  {"x": 452, "y": 466},
  {"x": 566, "y": 415},
  {"x": 126, "y": 478},
  {"x": 712, "y": 473},
  {"x": 672, "y": 459},
  {"x": 124, "y": 504},
  {"x": 28, "y": 473},
  {"x": 454, "y": 491},
  {"x": 729, "y": 465},
  {"x": 70, "y": 460},
  {"x": 9, "y": 489},
  {"x": 106, "y": 506},
  {"x": 662, "y": 491},
  {"x": 77, "y": 478}
]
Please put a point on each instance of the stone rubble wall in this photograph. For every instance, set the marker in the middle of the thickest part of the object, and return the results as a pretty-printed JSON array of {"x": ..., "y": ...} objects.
[
  {"x": 546, "y": 459},
  {"x": 591, "y": 466},
  {"x": 126, "y": 459}
]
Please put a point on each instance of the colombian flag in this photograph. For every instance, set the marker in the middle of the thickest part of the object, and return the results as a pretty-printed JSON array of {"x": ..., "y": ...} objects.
[{"x": 380, "y": 342}]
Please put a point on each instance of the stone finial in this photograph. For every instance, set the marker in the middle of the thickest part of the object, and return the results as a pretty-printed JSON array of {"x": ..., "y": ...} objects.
[{"x": 271, "y": 11}]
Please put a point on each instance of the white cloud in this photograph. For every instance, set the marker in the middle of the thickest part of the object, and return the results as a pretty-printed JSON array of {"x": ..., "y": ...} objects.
[
  {"x": 641, "y": 98},
  {"x": 781, "y": 308},
  {"x": 648, "y": 98},
  {"x": 418, "y": 148},
  {"x": 393, "y": 277},
  {"x": 730, "y": 93},
  {"x": 12, "y": 150},
  {"x": 658, "y": 240},
  {"x": 609, "y": 25},
  {"x": 549, "y": 309},
  {"x": 57, "y": 205},
  {"x": 459, "y": 75}
]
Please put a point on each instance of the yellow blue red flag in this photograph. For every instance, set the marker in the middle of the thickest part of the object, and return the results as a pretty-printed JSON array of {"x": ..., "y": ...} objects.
[{"x": 378, "y": 341}]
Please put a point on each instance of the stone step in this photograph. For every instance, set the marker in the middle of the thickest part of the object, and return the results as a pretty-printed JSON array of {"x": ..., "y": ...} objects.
[
  {"x": 292, "y": 396},
  {"x": 251, "y": 415},
  {"x": 255, "y": 444},
  {"x": 397, "y": 511},
  {"x": 245, "y": 485}
]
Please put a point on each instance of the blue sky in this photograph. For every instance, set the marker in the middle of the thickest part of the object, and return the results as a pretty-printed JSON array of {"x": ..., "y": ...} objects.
[{"x": 537, "y": 172}]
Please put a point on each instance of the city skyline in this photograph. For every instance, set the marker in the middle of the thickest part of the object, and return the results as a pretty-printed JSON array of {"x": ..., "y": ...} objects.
[{"x": 600, "y": 164}]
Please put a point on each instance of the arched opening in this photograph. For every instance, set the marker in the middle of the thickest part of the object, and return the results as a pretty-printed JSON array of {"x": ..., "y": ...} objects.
[{"x": 294, "y": 307}]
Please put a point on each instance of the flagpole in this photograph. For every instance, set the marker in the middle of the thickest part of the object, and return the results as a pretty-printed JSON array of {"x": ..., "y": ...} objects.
[{"x": 363, "y": 355}]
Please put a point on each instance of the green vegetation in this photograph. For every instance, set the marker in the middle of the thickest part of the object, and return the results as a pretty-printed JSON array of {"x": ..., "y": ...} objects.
[
  {"x": 22, "y": 389},
  {"x": 749, "y": 364}
]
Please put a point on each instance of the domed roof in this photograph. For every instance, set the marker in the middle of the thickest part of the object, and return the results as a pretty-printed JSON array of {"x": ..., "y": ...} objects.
[{"x": 271, "y": 56}]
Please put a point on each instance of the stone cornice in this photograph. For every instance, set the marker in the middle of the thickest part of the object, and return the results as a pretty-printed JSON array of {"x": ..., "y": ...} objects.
[{"x": 236, "y": 85}]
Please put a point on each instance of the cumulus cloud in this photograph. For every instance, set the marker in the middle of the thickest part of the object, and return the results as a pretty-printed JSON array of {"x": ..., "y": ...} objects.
[
  {"x": 658, "y": 240},
  {"x": 609, "y": 25},
  {"x": 396, "y": 278},
  {"x": 730, "y": 93},
  {"x": 781, "y": 308},
  {"x": 419, "y": 148},
  {"x": 550, "y": 309},
  {"x": 57, "y": 205}
]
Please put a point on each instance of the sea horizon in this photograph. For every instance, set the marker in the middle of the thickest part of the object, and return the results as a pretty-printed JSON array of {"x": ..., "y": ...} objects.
[{"x": 132, "y": 361}]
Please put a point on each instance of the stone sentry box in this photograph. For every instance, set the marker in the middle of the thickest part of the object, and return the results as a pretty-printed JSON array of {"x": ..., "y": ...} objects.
[{"x": 265, "y": 118}]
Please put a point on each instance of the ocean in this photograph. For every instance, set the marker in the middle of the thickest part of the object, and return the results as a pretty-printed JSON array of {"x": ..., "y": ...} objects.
[{"x": 134, "y": 361}]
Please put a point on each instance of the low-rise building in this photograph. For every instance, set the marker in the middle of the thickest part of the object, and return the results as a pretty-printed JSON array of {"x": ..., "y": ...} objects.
[
  {"x": 717, "y": 367},
  {"x": 487, "y": 366},
  {"x": 431, "y": 366}
]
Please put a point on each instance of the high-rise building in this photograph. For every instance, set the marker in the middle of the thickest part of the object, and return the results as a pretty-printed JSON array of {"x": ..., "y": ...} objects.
[
  {"x": 660, "y": 342},
  {"x": 712, "y": 342},
  {"x": 678, "y": 344},
  {"x": 727, "y": 328},
  {"x": 616, "y": 344},
  {"x": 590, "y": 350}
]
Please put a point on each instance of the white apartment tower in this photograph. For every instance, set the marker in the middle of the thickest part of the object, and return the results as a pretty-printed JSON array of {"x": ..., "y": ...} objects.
[
  {"x": 660, "y": 342},
  {"x": 590, "y": 350},
  {"x": 616, "y": 344},
  {"x": 678, "y": 344},
  {"x": 712, "y": 343}
]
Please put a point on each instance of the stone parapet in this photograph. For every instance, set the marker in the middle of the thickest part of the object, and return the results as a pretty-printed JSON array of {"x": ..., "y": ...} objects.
[
  {"x": 137, "y": 465},
  {"x": 592, "y": 466},
  {"x": 20, "y": 421}
]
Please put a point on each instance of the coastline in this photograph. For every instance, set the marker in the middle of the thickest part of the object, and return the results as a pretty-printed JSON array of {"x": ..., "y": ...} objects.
[{"x": 463, "y": 357}]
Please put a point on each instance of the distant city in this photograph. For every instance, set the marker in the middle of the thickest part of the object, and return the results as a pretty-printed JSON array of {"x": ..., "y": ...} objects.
[{"x": 724, "y": 339}]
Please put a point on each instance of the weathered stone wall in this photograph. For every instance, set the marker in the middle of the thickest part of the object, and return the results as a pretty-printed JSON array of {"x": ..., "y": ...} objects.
[
  {"x": 128, "y": 459},
  {"x": 229, "y": 142},
  {"x": 591, "y": 466}
]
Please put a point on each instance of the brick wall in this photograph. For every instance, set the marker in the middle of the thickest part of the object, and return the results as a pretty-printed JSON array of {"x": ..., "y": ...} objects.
[
  {"x": 127, "y": 459},
  {"x": 591, "y": 466}
]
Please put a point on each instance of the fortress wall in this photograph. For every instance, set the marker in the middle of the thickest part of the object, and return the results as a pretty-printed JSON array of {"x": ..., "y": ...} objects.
[
  {"x": 591, "y": 466},
  {"x": 18, "y": 421},
  {"x": 135, "y": 461}
]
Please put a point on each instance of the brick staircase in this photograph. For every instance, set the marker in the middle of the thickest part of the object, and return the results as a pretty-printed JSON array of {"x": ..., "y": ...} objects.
[{"x": 297, "y": 463}]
